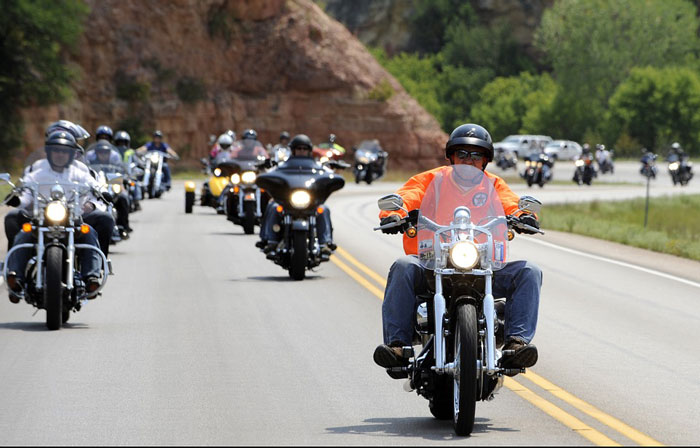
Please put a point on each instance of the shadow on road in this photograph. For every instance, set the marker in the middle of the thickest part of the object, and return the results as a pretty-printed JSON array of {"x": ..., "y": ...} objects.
[
  {"x": 272, "y": 278},
  {"x": 423, "y": 427},
  {"x": 38, "y": 326},
  {"x": 228, "y": 234}
]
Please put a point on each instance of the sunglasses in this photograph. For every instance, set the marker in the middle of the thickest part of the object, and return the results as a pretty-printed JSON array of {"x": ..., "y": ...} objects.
[{"x": 476, "y": 156}]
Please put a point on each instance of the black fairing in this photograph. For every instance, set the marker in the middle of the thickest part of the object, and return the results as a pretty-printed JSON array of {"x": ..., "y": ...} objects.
[
  {"x": 300, "y": 173},
  {"x": 236, "y": 166}
]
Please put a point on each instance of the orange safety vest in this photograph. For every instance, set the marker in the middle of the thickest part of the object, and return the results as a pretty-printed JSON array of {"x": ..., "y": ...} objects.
[{"x": 413, "y": 191}]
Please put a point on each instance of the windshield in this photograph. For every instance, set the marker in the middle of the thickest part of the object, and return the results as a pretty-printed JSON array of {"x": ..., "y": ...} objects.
[
  {"x": 250, "y": 150},
  {"x": 467, "y": 187}
]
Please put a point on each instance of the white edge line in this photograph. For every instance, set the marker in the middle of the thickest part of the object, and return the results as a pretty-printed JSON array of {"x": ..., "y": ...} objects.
[{"x": 619, "y": 263}]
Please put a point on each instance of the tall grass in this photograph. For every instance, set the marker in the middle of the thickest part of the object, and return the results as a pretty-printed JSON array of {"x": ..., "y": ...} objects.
[{"x": 673, "y": 227}]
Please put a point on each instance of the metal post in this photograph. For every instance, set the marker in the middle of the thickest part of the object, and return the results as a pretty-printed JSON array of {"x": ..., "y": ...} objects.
[{"x": 646, "y": 206}]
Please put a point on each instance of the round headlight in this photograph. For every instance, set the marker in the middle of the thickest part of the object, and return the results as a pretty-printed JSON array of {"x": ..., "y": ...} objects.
[
  {"x": 464, "y": 255},
  {"x": 323, "y": 159},
  {"x": 116, "y": 188},
  {"x": 235, "y": 179},
  {"x": 217, "y": 172},
  {"x": 673, "y": 166},
  {"x": 154, "y": 158},
  {"x": 56, "y": 212},
  {"x": 300, "y": 199},
  {"x": 579, "y": 162},
  {"x": 248, "y": 177}
]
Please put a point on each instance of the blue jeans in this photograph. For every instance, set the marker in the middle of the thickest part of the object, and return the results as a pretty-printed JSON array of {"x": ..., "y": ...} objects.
[
  {"x": 166, "y": 174},
  {"x": 90, "y": 261},
  {"x": 519, "y": 282},
  {"x": 324, "y": 229}
]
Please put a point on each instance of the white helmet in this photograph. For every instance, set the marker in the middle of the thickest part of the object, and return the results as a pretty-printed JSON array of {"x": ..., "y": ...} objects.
[{"x": 225, "y": 141}]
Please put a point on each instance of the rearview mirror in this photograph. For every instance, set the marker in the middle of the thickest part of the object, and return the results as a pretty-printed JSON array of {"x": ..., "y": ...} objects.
[
  {"x": 5, "y": 177},
  {"x": 114, "y": 178},
  {"x": 390, "y": 203},
  {"x": 529, "y": 204}
]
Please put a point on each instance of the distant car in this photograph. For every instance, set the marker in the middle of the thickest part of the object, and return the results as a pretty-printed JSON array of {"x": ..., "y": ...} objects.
[
  {"x": 563, "y": 150},
  {"x": 523, "y": 145}
]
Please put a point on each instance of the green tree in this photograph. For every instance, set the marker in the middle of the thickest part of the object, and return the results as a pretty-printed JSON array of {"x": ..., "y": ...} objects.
[
  {"x": 433, "y": 18},
  {"x": 657, "y": 106},
  {"x": 516, "y": 104},
  {"x": 593, "y": 45},
  {"x": 34, "y": 38}
]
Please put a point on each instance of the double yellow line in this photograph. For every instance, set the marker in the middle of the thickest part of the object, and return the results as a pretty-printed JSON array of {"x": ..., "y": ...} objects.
[{"x": 376, "y": 283}]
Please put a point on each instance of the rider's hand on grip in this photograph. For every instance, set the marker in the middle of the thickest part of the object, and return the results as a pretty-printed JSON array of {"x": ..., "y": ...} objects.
[
  {"x": 528, "y": 220},
  {"x": 389, "y": 220}
]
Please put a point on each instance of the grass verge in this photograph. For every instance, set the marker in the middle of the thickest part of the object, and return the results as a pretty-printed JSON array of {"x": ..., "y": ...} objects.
[{"x": 673, "y": 226}]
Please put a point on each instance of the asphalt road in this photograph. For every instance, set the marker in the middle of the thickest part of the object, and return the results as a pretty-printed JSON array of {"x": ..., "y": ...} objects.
[{"x": 200, "y": 340}]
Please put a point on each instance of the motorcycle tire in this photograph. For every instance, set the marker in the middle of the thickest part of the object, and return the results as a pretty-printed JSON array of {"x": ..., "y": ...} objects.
[
  {"x": 358, "y": 177},
  {"x": 529, "y": 182},
  {"x": 66, "y": 316},
  {"x": 465, "y": 357},
  {"x": 189, "y": 201},
  {"x": 299, "y": 255},
  {"x": 368, "y": 176},
  {"x": 53, "y": 288},
  {"x": 249, "y": 217}
]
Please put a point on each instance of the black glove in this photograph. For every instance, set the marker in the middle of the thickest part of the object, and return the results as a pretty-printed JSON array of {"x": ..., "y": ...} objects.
[
  {"x": 391, "y": 219},
  {"x": 12, "y": 200},
  {"x": 529, "y": 220}
]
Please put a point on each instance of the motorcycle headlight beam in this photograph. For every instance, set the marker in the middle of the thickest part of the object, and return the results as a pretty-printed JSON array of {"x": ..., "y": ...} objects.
[
  {"x": 56, "y": 212},
  {"x": 673, "y": 166},
  {"x": 235, "y": 179},
  {"x": 116, "y": 188},
  {"x": 248, "y": 177},
  {"x": 300, "y": 199},
  {"x": 464, "y": 255}
]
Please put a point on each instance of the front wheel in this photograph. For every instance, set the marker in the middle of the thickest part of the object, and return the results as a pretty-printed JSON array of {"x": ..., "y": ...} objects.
[
  {"x": 53, "y": 288},
  {"x": 465, "y": 357},
  {"x": 297, "y": 262},
  {"x": 189, "y": 201},
  {"x": 248, "y": 217}
]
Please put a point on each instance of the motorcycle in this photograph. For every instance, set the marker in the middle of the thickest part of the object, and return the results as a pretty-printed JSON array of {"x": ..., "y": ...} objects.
[
  {"x": 585, "y": 170},
  {"x": 680, "y": 169},
  {"x": 463, "y": 239},
  {"x": 243, "y": 200},
  {"x": 538, "y": 169},
  {"x": 324, "y": 152},
  {"x": 648, "y": 168},
  {"x": 153, "y": 173},
  {"x": 506, "y": 159},
  {"x": 370, "y": 162},
  {"x": 211, "y": 193},
  {"x": 300, "y": 186},
  {"x": 606, "y": 164},
  {"x": 53, "y": 279},
  {"x": 106, "y": 172}
]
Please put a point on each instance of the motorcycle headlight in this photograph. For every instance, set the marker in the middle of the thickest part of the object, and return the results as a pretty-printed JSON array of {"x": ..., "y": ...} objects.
[
  {"x": 300, "y": 199},
  {"x": 464, "y": 255},
  {"x": 539, "y": 164},
  {"x": 235, "y": 179},
  {"x": 323, "y": 159},
  {"x": 579, "y": 162},
  {"x": 217, "y": 172},
  {"x": 56, "y": 212},
  {"x": 116, "y": 188},
  {"x": 528, "y": 163},
  {"x": 673, "y": 166},
  {"x": 154, "y": 158},
  {"x": 248, "y": 177}
]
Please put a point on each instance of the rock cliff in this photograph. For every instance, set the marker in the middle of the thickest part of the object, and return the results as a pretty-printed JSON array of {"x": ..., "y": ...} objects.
[{"x": 197, "y": 67}]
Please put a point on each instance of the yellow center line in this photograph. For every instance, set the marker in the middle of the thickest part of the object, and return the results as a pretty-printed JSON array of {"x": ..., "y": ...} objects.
[
  {"x": 586, "y": 408},
  {"x": 559, "y": 414},
  {"x": 549, "y": 408},
  {"x": 373, "y": 275}
]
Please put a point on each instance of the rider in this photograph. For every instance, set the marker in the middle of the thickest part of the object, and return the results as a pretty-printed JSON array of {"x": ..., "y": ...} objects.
[
  {"x": 518, "y": 281},
  {"x": 300, "y": 146},
  {"x": 98, "y": 219},
  {"x": 122, "y": 141},
  {"x": 250, "y": 147},
  {"x": 223, "y": 145},
  {"x": 333, "y": 145},
  {"x": 157, "y": 144},
  {"x": 675, "y": 153},
  {"x": 280, "y": 152},
  {"x": 104, "y": 153},
  {"x": 61, "y": 149}
]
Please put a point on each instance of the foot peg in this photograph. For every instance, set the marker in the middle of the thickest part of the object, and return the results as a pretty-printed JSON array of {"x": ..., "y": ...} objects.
[{"x": 109, "y": 267}]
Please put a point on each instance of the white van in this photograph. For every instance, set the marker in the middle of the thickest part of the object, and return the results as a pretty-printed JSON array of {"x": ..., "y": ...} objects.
[{"x": 523, "y": 145}]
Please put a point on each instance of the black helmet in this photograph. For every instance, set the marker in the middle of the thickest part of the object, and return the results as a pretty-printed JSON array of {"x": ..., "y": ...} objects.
[
  {"x": 249, "y": 134},
  {"x": 470, "y": 135},
  {"x": 157, "y": 133},
  {"x": 300, "y": 140},
  {"x": 64, "y": 125},
  {"x": 284, "y": 135},
  {"x": 331, "y": 138},
  {"x": 60, "y": 140},
  {"x": 122, "y": 136},
  {"x": 104, "y": 131}
]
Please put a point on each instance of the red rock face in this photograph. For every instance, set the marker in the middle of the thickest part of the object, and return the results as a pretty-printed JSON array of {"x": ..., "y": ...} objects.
[{"x": 272, "y": 65}]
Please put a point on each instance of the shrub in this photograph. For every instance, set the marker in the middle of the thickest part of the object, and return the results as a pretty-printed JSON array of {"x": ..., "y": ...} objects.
[
  {"x": 191, "y": 90},
  {"x": 381, "y": 92},
  {"x": 132, "y": 90}
]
